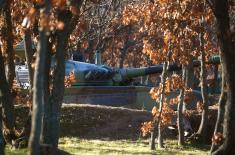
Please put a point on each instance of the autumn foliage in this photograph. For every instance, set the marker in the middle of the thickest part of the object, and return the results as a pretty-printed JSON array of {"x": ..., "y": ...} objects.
[{"x": 173, "y": 28}]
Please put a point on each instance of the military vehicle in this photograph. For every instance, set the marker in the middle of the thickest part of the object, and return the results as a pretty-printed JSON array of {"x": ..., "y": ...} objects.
[{"x": 103, "y": 85}]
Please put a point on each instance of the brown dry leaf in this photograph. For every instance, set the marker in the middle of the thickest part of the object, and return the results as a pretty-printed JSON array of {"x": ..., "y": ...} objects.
[
  {"x": 217, "y": 138},
  {"x": 60, "y": 25}
]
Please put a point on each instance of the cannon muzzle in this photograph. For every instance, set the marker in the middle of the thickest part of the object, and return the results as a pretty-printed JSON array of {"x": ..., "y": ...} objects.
[
  {"x": 143, "y": 71},
  {"x": 129, "y": 73}
]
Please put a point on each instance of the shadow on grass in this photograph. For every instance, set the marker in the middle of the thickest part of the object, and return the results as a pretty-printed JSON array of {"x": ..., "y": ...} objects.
[
  {"x": 104, "y": 151},
  {"x": 199, "y": 146},
  {"x": 62, "y": 152},
  {"x": 99, "y": 150}
]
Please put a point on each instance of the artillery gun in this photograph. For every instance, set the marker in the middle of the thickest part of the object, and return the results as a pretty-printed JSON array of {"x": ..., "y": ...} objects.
[
  {"x": 101, "y": 75},
  {"x": 104, "y": 85}
]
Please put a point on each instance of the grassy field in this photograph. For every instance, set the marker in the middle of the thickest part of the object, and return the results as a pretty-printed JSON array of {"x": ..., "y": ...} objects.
[{"x": 75, "y": 146}]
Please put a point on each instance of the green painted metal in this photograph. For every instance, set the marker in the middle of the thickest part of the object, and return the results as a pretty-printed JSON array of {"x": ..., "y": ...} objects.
[{"x": 104, "y": 85}]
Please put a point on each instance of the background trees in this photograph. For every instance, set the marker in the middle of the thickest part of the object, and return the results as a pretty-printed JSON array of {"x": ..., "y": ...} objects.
[
  {"x": 160, "y": 32},
  {"x": 174, "y": 29}
]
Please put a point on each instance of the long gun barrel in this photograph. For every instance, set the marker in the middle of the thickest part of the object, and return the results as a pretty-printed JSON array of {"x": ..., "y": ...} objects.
[
  {"x": 135, "y": 72},
  {"x": 100, "y": 75}
]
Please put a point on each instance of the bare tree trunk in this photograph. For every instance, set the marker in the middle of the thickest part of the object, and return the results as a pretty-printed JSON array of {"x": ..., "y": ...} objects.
[
  {"x": 158, "y": 124},
  {"x": 8, "y": 116},
  {"x": 8, "y": 36},
  {"x": 57, "y": 90},
  {"x": 202, "y": 131},
  {"x": 220, "y": 115},
  {"x": 38, "y": 95},
  {"x": 159, "y": 137},
  {"x": 122, "y": 57},
  {"x": 163, "y": 80},
  {"x": 2, "y": 144},
  {"x": 216, "y": 81},
  {"x": 221, "y": 10},
  {"x": 51, "y": 120},
  {"x": 58, "y": 81},
  {"x": 180, "y": 112},
  {"x": 25, "y": 132},
  {"x": 89, "y": 50},
  {"x": 29, "y": 55},
  {"x": 189, "y": 74},
  {"x": 125, "y": 48},
  {"x": 46, "y": 129},
  {"x": 152, "y": 139},
  {"x": 39, "y": 88}
]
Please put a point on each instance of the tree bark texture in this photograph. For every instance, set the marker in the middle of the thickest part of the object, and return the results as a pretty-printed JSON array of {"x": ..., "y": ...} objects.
[
  {"x": 51, "y": 117},
  {"x": 38, "y": 95},
  {"x": 158, "y": 124},
  {"x": 216, "y": 86},
  {"x": 189, "y": 74},
  {"x": 8, "y": 116},
  {"x": 180, "y": 112},
  {"x": 125, "y": 48},
  {"x": 58, "y": 81},
  {"x": 8, "y": 37},
  {"x": 2, "y": 143},
  {"x": 202, "y": 130},
  {"x": 220, "y": 115},
  {"x": 163, "y": 80},
  {"x": 227, "y": 57},
  {"x": 152, "y": 139},
  {"x": 46, "y": 132}
]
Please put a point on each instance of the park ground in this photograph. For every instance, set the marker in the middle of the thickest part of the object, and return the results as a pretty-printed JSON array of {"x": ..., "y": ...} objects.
[{"x": 87, "y": 129}]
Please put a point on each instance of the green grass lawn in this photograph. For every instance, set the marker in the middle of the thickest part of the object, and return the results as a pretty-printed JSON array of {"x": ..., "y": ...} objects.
[{"x": 76, "y": 146}]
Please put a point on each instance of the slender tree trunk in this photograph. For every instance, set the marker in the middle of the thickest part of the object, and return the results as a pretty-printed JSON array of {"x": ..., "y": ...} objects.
[
  {"x": 189, "y": 74},
  {"x": 125, "y": 48},
  {"x": 89, "y": 50},
  {"x": 227, "y": 59},
  {"x": 202, "y": 131},
  {"x": 8, "y": 116},
  {"x": 46, "y": 129},
  {"x": 112, "y": 52},
  {"x": 39, "y": 87},
  {"x": 2, "y": 143},
  {"x": 38, "y": 95},
  {"x": 163, "y": 80},
  {"x": 53, "y": 107},
  {"x": 8, "y": 36},
  {"x": 29, "y": 55},
  {"x": 58, "y": 81},
  {"x": 180, "y": 111},
  {"x": 152, "y": 138},
  {"x": 122, "y": 57},
  {"x": 58, "y": 90},
  {"x": 158, "y": 124},
  {"x": 220, "y": 115},
  {"x": 216, "y": 81},
  {"x": 25, "y": 132}
]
